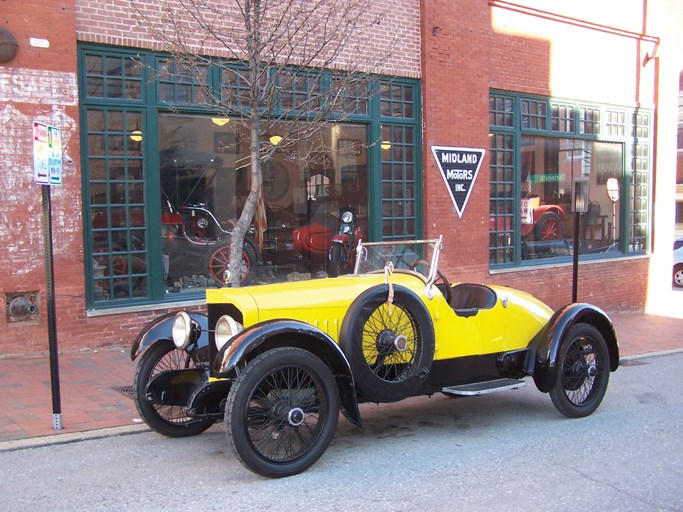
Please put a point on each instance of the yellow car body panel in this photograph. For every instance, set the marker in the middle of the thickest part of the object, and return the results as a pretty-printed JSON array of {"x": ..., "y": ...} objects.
[{"x": 513, "y": 321}]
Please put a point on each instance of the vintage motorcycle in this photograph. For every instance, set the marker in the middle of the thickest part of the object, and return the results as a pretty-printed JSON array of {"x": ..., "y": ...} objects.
[{"x": 342, "y": 249}]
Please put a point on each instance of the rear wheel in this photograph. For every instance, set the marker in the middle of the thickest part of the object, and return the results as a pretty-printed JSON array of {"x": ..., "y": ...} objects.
[
  {"x": 582, "y": 372},
  {"x": 282, "y": 412},
  {"x": 169, "y": 420}
]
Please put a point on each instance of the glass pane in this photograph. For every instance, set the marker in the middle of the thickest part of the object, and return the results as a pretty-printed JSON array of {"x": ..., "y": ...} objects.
[
  {"x": 549, "y": 169},
  {"x": 205, "y": 186},
  {"x": 118, "y": 230}
]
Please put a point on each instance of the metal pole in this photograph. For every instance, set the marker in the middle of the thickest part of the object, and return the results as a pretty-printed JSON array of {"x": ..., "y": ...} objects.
[
  {"x": 575, "y": 273},
  {"x": 51, "y": 318}
]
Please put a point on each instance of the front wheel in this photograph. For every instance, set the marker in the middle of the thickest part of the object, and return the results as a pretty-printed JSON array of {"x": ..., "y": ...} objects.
[
  {"x": 282, "y": 411},
  {"x": 548, "y": 227},
  {"x": 169, "y": 420},
  {"x": 582, "y": 372},
  {"x": 337, "y": 260}
]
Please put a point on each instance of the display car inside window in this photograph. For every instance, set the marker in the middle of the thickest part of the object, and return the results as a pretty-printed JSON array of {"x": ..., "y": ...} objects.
[{"x": 204, "y": 182}]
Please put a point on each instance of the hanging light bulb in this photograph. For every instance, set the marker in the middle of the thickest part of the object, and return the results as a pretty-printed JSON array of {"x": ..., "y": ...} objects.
[
  {"x": 136, "y": 135},
  {"x": 385, "y": 144},
  {"x": 220, "y": 121},
  {"x": 275, "y": 140}
]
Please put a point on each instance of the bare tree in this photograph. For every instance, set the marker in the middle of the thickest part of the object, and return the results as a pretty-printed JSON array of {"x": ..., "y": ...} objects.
[{"x": 283, "y": 45}]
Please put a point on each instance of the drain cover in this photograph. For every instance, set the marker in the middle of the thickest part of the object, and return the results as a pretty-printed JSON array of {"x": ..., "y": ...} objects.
[{"x": 126, "y": 391}]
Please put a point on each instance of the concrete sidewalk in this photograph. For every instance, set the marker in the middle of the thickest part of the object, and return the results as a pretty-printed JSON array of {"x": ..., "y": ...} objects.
[{"x": 93, "y": 383}]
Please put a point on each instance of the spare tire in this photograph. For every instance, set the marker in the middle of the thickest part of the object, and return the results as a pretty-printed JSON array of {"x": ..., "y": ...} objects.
[{"x": 390, "y": 349}]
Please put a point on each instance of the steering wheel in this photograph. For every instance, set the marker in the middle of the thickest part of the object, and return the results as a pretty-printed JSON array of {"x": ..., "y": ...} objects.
[{"x": 441, "y": 278}]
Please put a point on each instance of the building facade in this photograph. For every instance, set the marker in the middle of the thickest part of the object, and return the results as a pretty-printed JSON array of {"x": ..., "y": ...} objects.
[{"x": 569, "y": 104}]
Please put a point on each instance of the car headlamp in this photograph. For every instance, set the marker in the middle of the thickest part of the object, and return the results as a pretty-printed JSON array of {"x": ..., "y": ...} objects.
[
  {"x": 202, "y": 223},
  {"x": 183, "y": 330},
  {"x": 347, "y": 217},
  {"x": 346, "y": 229},
  {"x": 226, "y": 328}
]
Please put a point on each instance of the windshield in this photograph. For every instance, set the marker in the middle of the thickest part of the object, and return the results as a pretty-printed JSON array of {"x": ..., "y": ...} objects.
[{"x": 419, "y": 255}]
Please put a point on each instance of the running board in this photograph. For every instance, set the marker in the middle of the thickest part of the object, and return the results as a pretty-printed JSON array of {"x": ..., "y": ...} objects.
[{"x": 484, "y": 388}]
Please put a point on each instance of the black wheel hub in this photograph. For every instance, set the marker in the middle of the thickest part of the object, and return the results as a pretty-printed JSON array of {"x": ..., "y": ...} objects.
[
  {"x": 388, "y": 342},
  {"x": 286, "y": 413}
]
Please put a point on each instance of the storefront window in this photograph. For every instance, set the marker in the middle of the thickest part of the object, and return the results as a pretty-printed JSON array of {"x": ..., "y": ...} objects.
[
  {"x": 166, "y": 173},
  {"x": 533, "y": 179}
]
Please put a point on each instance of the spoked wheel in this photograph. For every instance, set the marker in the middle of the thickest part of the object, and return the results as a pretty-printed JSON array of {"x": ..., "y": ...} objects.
[
  {"x": 219, "y": 262},
  {"x": 390, "y": 347},
  {"x": 441, "y": 281},
  {"x": 282, "y": 412},
  {"x": 336, "y": 264},
  {"x": 582, "y": 372},
  {"x": 548, "y": 227},
  {"x": 169, "y": 420}
]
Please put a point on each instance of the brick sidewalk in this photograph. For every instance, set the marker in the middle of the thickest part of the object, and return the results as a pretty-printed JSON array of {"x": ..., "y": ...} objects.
[{"x": 90, "y": 381}]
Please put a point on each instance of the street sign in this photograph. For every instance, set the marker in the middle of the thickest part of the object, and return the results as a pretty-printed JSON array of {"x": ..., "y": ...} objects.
[
  {"x": 47, "y": 154},
  {"x": 459, "y": 168}
]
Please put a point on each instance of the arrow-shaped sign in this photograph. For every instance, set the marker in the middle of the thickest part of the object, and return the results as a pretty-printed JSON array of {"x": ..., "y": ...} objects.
[{"x": 459, "y": 168}]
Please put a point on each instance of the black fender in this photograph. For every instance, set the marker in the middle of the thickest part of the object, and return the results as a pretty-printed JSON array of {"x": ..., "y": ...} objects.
[
  {"x": 544, "y": 348},
  {"x": 271, "y": 334},
  {"x": 160, "y": 330}
]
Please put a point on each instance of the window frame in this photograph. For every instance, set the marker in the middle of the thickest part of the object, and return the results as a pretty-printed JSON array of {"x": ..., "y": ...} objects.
[
  {"x": 635, "y": 202},
  {"x": 150, "y": 105}
]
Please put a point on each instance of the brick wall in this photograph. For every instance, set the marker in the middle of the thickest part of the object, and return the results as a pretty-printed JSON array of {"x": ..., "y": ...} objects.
[
  {"x": 455, "y": 113},
  {"x": 387, "y": 35},
  {"x": 39, "y": 84},
  {"x": 495, "y": 48}
]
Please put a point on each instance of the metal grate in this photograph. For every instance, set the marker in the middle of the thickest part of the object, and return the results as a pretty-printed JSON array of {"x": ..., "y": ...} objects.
[{"x": 126, "y": 391}]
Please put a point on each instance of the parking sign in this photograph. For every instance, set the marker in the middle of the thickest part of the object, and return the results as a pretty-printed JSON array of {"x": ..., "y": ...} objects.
[{"x": 47, "y": 154}]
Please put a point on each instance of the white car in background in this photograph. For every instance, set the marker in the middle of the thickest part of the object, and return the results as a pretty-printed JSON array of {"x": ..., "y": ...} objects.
[{"x": 678, "y": 263}]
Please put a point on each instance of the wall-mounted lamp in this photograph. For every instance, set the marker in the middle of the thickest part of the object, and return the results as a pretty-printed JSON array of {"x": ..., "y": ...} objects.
[
  {"x": 275, "y": 140},
  {"x": 136, "y": 135},
  {"x": 649, "y": 56},
  {"x": 8, "y": 46},
  {"x": 385, "y": 144},
  {"x": 220, "y": 121}
]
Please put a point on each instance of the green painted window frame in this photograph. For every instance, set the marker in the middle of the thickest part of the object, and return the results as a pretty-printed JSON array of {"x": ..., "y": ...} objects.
[
  {"x": 564, "y": 118},
  {"x": 398, "y": 98}
]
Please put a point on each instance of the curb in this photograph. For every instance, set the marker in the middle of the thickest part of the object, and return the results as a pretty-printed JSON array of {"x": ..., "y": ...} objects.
[
  {"x": 650, "y": 354},
  {"x": 71, "y": 437}
]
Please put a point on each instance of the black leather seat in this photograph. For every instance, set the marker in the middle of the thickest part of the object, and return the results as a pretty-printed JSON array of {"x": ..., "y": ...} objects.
[{"x": 467, "y": 299}]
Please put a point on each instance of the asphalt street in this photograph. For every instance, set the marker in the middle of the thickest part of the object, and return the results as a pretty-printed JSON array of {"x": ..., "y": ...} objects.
[{"x": 509, "y": 451}]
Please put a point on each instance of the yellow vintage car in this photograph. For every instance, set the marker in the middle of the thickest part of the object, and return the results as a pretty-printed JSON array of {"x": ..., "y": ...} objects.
[{"x": 278, "y": 362}]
